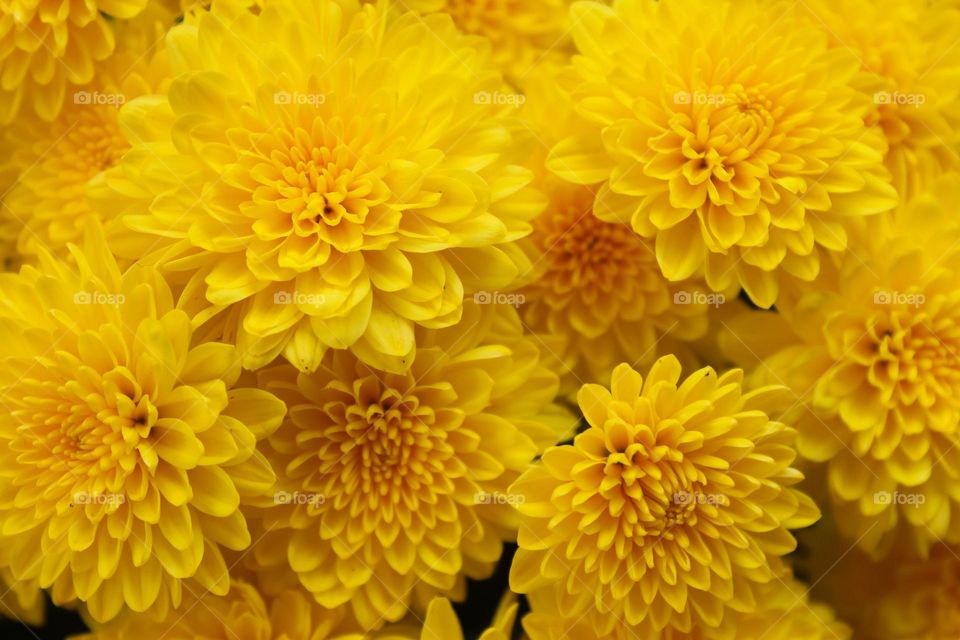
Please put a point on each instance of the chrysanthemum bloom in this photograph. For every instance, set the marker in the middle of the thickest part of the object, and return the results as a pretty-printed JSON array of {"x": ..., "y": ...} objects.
[
  {"x": 523, "y": 34},
  {"x": 125, "y": 450},
  {"x": 49, "y": 46},
  {"x": 336, "y": 191},
  {"x": 597, "y": 296},
  {"x": 724, "y": 131},
  {"x": 58, "y": 162},
  {"x": 670, "y": 512},
  {"x": 392, "y": 488},
  {"x": 873, "y": 358},
  {"x": 911, "y": 70},
  {"x": 783, "y": 612},
  {"x": 600, "y": 291},
  {"x": 246, "y": 614}
]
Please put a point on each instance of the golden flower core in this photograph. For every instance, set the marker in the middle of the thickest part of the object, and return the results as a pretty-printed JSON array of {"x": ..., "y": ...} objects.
[
  {"x": 599, "y": 290},
  {"x": 316, "y": 194},
  {"x": 908, "y": 360},
  {"x": 85, "y": 421},
  {"x": 590, "y": 260},
  {"x": 384, "y": 447}
]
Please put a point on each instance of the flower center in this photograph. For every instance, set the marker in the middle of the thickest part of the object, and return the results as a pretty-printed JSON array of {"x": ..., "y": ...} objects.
[
  {"x": 911, "y": 357},
  {"x": 585, "y": 251},
  {"x": 647, "y": 492},
  {"x": 895, "y": 122},
  {"x": 749, "y": 121},
  {"x": 86, "y": 422},
  {"x": 95, "y": 143},
  {"x": 315, "y": 189},
  {"x": 385, "y": 442}
]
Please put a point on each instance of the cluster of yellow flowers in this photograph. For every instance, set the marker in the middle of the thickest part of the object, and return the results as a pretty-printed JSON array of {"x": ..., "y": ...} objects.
[{"x": 315, "y": 314}]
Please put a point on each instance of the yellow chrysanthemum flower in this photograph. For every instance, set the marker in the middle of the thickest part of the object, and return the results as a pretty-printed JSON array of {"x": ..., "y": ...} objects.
[
  {"x": 783, "y": 612},
  {"x": 334, "y": 191},
  {"x": 523, "y": 35},
  {"x": 669, "y": 512},
  {"x": 58, "y": 162},
  {"x": 245, "y": 614},
  {"x": 912, "y": 71},
  {"x": 125, "y": 450},
  {"x": 724, "y": 131},
  {"x": 393, "y": 487},
  {"x": 600, "y": 292},
  {"x": 597, "y": 295},
  {"x": 873, "y": 358},
  {"x": 47, "y": 46}
]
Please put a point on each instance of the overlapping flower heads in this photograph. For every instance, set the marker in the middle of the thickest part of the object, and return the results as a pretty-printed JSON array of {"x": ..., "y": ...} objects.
[{"x": 448, "y": 319}]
